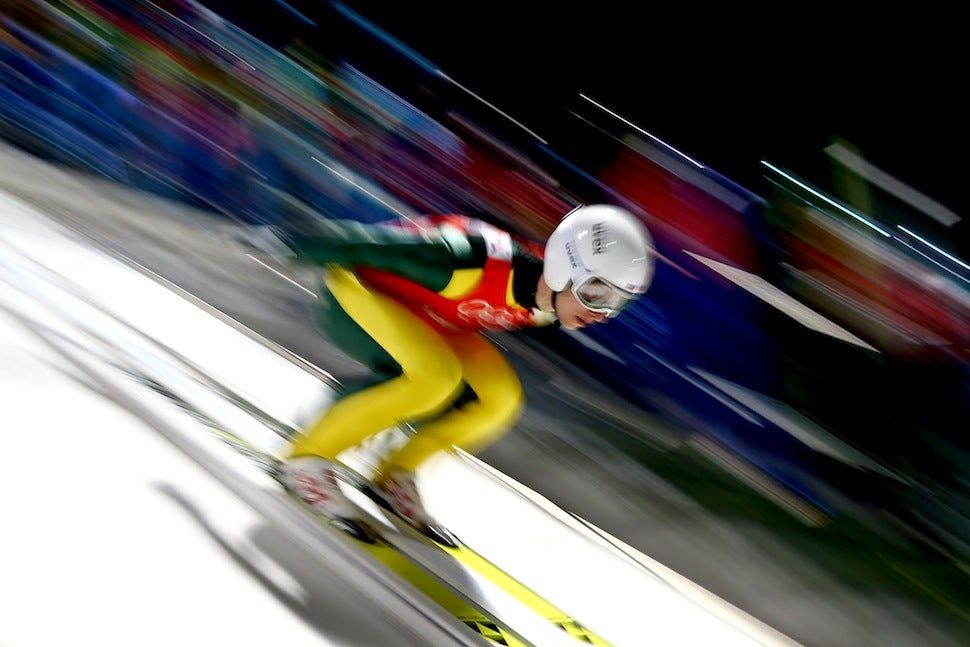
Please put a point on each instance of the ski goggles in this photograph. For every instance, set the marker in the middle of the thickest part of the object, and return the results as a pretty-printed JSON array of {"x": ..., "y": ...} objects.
[{"x": 599, "y": 296}]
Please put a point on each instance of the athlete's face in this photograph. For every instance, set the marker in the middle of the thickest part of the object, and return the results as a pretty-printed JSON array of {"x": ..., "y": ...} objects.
[{"x": 573, "y": 314}]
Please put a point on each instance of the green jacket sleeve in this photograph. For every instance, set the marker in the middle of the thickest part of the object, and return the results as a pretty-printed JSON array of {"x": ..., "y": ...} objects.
[{"x": 426, "y": 257}]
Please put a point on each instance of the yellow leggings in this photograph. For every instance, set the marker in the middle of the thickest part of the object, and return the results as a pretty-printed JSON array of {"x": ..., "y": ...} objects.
[{"x": 434, "y": 368}]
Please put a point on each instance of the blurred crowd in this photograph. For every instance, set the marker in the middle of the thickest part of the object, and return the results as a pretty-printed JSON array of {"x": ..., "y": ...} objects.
[{"x": 823, "y": 347}]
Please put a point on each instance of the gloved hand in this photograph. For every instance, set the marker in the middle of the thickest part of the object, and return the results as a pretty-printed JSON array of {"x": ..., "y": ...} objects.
[{"x": 268, "y": 240}]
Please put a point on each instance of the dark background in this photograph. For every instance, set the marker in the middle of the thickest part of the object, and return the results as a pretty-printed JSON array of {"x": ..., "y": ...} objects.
[{"x": 725, "y": 87}]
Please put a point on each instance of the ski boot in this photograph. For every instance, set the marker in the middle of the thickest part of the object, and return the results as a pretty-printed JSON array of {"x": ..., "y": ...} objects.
[
  {"x": 397, "y": 492},
  {"x": 316, "y": 482}
]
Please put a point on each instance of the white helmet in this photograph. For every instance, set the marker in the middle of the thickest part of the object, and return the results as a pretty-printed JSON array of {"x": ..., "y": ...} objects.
[{"x": 604, "y": 253}]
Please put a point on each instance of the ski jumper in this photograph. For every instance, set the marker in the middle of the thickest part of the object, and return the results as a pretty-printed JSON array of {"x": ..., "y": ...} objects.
[{"x": 409, "y": 303}]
